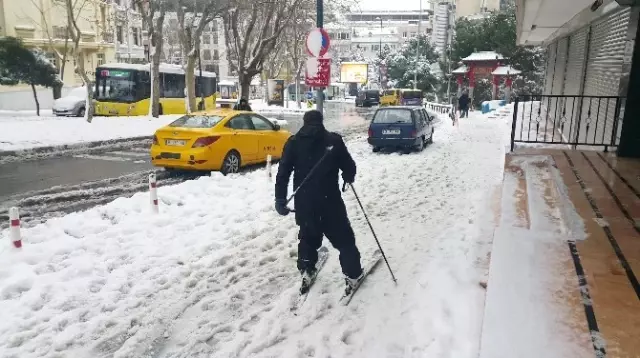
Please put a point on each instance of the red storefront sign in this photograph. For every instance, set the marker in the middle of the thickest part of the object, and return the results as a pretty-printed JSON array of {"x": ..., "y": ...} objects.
[{"x": 318, "y": 72}]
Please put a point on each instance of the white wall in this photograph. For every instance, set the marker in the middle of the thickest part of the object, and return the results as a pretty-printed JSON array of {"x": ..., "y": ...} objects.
[{"x": 23, "y": 99}]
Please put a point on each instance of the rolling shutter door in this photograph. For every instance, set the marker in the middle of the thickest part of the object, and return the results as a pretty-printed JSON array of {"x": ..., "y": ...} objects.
[
  {"x": 554, "y": 104},
  {"x": 573, "y": 77},
  {"x": 604, "y": 68},
  {"x": 551, "y": 62}
]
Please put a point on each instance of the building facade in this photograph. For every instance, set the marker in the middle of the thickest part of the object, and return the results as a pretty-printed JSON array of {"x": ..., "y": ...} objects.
[
  {"x": 465, "y": 8},
  {"x": 126, "y": 21},
  {"x": 43, "y": 25},
  {"x": 360, "y": 36},
  {"x": 592, "y": 55},
  {"x": 443, "y": 23}
]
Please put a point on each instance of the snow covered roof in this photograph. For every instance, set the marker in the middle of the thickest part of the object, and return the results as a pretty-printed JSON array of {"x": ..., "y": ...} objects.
[
  {"x": 484, "y": 56},
  {"x": 505, "y": 70},
  {"x": 461, "y": 70},
  {"x": 164, "y": 68}
]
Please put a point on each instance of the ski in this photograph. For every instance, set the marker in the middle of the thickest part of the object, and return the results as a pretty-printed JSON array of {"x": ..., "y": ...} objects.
[
  {"x": 323, "y": 257},
  {"x": 346, "y": 297}
]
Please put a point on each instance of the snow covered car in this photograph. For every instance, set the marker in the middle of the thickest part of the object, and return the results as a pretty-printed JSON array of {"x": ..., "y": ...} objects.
[
  {"x": 219, "y": 139},
  {"x": 73, "y": 104},
  {"x": 406, "y": 128}
]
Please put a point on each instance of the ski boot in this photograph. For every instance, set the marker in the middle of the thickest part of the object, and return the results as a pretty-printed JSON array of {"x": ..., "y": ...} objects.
[
  {"x": 352, "y": 283},
  {"x": 308, "y": 276}
]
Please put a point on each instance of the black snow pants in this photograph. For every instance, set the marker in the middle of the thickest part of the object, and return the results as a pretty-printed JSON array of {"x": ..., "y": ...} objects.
[{"x": 335, "y": 225}]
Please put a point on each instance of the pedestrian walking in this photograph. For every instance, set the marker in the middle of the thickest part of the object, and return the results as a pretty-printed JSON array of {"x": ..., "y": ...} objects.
[
  {"x": 315, "y": 156},
  {"x": 463, "y": 104}
]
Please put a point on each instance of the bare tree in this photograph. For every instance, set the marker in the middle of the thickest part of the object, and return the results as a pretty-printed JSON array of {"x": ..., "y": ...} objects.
[
  {"x": 61, "y": 57},
  {"x": 252, "y": 30},
  {"x": 193, "y": 18},
  {"x": 295, "y": 38},
  {"x": 74, "y": 10},
  {"x": 170, "y": 33},
  {"x": 153, "y": 15}
]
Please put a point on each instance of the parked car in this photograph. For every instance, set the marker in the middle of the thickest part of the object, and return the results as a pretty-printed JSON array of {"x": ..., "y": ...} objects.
[
  {"x": 407, "y": 128},
  {"x": 368, "y": 98},
  {"x": 73, "y": 104},
  {"x": 221, "y": 139}
]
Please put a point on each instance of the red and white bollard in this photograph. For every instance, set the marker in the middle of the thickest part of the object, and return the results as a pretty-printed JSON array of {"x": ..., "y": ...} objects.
[
  {"x": 269, "y": 166},
  {"x": 153, "y": 193},
  {"x": 14, "y": 218}
]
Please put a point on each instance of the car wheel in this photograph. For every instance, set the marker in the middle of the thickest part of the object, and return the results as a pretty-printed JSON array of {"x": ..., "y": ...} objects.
[
  {"x": 376, "y": 149},
  {"x": 81, "y": 112},
  {"x": 231, "y": 163},
  {"x": 420, "y": 146},
  {"x": 406, "y": 150}
]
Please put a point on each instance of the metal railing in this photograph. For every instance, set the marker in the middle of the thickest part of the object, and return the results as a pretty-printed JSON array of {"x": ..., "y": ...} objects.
[
  {"x": 567, "y": 120},
  {"x": 438, "y": 107}
]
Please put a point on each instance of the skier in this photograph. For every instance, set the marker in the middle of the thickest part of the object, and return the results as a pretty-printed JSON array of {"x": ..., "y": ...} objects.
[
  {"x": 319, "y": 208},
  {"x": 243, "y": 105},
  {"x": 463, "y": 104}
]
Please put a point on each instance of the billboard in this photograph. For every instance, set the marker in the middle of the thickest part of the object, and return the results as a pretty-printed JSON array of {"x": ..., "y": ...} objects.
[
  {"x": 354, "y": 72},
  {"x": 275, "y": 92}
]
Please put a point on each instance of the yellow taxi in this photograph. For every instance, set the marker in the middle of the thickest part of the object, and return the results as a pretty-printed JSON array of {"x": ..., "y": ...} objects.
[{"x": 221, "y": 139}]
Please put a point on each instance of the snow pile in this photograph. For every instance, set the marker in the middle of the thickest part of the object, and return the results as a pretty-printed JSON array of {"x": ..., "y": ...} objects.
[
  {"x": 22, "y": 132},
  {"x": 213, "y": 275}
]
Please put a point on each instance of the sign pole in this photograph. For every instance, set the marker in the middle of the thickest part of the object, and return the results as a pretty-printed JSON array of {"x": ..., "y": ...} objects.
[{"x": 320, "y": 24}]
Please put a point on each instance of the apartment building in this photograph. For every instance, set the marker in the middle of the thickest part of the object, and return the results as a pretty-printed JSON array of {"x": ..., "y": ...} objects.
[
  {"x": 126, "y": 21},
  {"x": 43, "y": 24},
  {"x": 465, "y": 8}
]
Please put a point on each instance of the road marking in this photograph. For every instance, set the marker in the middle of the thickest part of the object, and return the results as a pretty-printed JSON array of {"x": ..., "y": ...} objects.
[
  {"x": 130, "y": 154},
  {"x": 100, "y": 157}
]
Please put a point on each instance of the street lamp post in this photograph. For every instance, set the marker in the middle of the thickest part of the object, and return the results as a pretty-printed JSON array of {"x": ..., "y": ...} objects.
[
  {"x": 380, "y": 55},
  {"x": 415, "y": 74}
]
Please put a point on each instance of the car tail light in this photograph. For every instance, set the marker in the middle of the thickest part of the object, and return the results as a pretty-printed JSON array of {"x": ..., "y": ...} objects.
[
  {"x": 414, "y": 133},
  {"x": 155, "y": 140},
  {"x": 205, "y": 141},
  {"x": 370, "y": 133}
]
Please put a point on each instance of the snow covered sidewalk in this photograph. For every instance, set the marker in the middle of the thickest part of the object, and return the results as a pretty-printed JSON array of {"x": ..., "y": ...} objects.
[
  {"x": 213, "y": 275},
  {"x": 31, "y": 132}
]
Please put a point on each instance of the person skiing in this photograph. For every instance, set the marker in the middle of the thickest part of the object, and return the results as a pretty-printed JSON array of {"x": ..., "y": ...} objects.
[
  {"x": 319, "y": 208},
  {"x": 243, "y": 105},
  {"x": 463, "y": 104}
]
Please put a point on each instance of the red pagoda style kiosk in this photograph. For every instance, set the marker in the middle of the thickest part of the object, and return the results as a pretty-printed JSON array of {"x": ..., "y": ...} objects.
[{"x": 485, "y": 65}]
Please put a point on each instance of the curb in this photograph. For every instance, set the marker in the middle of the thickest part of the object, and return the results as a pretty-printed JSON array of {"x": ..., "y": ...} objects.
[{"x": 65, "y": 149}]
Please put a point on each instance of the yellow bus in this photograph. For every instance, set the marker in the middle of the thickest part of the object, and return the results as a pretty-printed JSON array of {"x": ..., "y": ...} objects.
[
  {"x": 123, "y": 89},
  {"x": 401, "y": 97}
]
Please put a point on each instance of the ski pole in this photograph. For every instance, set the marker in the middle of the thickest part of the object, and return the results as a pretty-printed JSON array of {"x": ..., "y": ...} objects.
[
  {"x": 372, "y": 231},
  {"x": 310, "y": 174}
]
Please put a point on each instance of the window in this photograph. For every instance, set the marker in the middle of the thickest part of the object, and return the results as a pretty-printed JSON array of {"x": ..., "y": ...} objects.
[
  {"x": 191, "y": 121},
  {"x": 136, "y": 36},
  {"x": 375, "y": 47},
  {"x": 206, "y": 39},
  {"x": 119, "y": 34},
  {"x": 172, "y": 85},
  {"x": 101, "y": 60},
  {"x": 261, "y": 124},
  {"x": 206, "y": 55},
  {"x": 215, "y": 38},
  {"x": 216, "y": 55},
  {"x": 59, "y": 32},
  {"x": 393, "y": 116},
  {"x": 240, "y": 122},
  {"x": 404, "y": 34}
]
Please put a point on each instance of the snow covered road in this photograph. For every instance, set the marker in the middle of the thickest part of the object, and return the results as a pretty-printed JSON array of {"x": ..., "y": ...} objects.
[{"x": 213, "y": 275}]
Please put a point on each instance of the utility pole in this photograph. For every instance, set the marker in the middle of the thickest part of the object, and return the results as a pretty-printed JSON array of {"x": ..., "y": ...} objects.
[
  {"x": 380, "y": 55},
  {"x": 415, "y": 74},
  {"x": 320, "y": 24}
]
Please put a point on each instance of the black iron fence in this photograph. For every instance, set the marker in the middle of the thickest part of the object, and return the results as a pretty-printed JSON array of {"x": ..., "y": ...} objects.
[{"x": 569, "y": 120}]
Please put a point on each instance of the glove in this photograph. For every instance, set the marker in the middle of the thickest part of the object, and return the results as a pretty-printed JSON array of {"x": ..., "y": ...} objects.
[
  {"x": 348, "y": 179},
  {"x": 281, "y": 207}
]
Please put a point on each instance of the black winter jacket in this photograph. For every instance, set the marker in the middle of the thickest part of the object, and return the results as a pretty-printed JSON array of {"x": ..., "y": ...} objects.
[{"x": 321, "y": 191}]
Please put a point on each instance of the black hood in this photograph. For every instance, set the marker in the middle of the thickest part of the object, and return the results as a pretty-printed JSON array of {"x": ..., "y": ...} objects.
[{"x": 312, "y": 130}]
